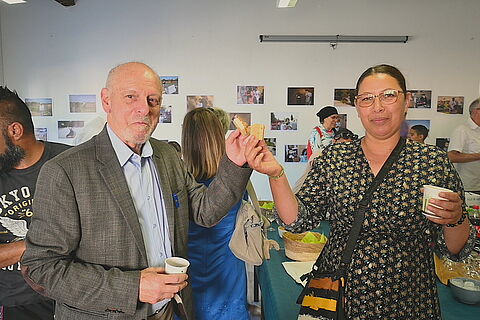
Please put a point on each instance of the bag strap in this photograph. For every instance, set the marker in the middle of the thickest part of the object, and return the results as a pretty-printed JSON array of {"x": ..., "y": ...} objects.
[
  {"x": 360, "y": 212},
  {"x": 363, "y": 205},
  {"x": 253, "y": 197}
]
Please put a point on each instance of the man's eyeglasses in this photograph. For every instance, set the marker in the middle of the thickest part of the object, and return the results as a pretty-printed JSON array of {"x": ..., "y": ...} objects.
[{"x": 388, "y": 96}]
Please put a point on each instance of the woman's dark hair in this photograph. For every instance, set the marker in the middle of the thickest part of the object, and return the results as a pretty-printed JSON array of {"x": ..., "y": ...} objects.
[{"x": 386, "y": 69}]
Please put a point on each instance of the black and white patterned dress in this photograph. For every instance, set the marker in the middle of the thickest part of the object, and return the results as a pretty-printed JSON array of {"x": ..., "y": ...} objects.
[{"x": 392, "y": 274}]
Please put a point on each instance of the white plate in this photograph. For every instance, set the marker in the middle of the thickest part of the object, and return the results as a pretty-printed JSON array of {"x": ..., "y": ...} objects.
[{"x": 426, "y": 214}]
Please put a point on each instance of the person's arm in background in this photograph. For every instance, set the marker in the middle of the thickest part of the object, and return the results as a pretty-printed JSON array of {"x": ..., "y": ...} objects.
[
  {"x": 460, "y": 157},
  {"x": 456, "y": 147},
  {"x": 10, "y": 253}
]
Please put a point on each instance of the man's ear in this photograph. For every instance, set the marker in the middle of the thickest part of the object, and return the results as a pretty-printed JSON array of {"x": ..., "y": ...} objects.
[
  {"x": 15, "y": 131},
  {"x": 105, "y": 96}
]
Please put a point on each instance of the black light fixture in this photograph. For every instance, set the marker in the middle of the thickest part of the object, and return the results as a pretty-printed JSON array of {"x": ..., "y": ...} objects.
[{"x": 332, "y": 38}]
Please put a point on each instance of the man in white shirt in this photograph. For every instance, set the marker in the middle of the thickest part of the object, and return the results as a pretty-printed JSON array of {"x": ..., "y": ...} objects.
[{"x": 464, "y": 149}]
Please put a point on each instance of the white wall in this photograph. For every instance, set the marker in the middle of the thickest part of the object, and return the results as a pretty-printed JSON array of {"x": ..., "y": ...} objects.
[{"x": 53, "y": 51}]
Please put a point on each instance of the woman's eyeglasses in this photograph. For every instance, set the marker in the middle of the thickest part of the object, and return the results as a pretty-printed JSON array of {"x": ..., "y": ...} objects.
[{"x": 388, "y": 96}]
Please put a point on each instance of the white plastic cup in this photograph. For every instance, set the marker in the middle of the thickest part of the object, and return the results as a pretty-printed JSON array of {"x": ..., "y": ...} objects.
[
  {"x": 176, "y": 265},
  {"x": 430, "y": 192}
]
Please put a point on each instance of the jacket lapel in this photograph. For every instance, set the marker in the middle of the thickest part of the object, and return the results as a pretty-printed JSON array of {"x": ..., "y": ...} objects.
[
  {"x": 114, "y": 178},
  {"x": 166, "y": 193}
]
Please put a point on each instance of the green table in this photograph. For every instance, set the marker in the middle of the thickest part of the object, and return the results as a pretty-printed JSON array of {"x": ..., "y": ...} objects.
[{"x": 280, "y": 291}]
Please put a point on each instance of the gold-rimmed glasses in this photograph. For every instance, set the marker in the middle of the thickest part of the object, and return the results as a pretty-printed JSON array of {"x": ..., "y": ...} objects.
[{"x": 386, "y": 97}]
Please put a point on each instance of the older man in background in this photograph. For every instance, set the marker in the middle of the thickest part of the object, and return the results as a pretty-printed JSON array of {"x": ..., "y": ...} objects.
[{"x": 464, "y": 149}]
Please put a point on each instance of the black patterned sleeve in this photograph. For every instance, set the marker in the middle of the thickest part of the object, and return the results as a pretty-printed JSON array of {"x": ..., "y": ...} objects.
[{"x": 452, "y": 181}]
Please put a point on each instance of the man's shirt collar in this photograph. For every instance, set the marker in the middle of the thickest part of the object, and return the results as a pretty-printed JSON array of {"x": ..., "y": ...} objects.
[{"x": 123, "y": 151}]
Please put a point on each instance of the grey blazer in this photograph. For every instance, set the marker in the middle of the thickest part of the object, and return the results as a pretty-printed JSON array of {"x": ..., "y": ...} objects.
[{"x": 85, "y": 247}]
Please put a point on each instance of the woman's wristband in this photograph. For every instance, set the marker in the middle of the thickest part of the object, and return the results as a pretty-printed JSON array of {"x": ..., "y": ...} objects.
[
  {"x": 459, "y": 222},
  {"x": 281, "y": 174}
]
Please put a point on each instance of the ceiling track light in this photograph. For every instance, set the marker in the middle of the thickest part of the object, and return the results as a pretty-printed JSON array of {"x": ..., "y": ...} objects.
[{"x": 333, "y": 38}]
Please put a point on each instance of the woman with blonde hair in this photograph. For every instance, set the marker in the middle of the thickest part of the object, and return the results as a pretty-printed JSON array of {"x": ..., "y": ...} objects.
[{"x": 218, "y": 278}]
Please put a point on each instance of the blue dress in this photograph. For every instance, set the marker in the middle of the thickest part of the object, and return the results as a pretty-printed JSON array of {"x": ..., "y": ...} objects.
[{"x": 217, "y": 277}]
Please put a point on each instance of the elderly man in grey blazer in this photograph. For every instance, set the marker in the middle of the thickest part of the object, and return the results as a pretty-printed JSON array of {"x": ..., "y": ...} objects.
[{"x": 111, "y": 210}]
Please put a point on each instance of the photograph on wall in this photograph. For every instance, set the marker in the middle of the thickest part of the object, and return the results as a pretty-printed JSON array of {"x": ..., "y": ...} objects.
[
  {"x": 296, "y": 153},
  {"x": 342, "y": 121},
  {"x": 450, "y": 104},
  {"x": 250, "y": 94},
  {"x": 247, "y": 117},
  {"x": 442, "y": 143},
  {"x": 41, "y": 134},
  {"x": 165, "y": 114},
  {"x": 344, "y": 97},
  {"x": 421, "y": 99},
  {"x": 170, "y": 84},
  {"x": 408, "y": 124},
  {"x": 300, "y": 96},
  {"x": 41, "y": 107},
  {"x": 194, "y": 102},
  {"x": 82, "y": 103},
  {"x": 283, "y": 121},
  {"x": 272, "y": 145},
  {"x": 69, "y": 129}
]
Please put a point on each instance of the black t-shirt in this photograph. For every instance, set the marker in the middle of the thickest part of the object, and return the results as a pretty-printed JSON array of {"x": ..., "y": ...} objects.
[{"x": 16, "y": 194}]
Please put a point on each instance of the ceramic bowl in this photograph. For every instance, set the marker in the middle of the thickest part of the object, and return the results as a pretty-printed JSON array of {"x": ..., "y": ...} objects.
[{"x": 465, "y": 290}]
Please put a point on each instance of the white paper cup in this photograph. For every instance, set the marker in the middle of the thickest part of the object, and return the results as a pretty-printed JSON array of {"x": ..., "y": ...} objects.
[
  {"x": 176, "y": 265},
  {"x": 430, "y": 192}
]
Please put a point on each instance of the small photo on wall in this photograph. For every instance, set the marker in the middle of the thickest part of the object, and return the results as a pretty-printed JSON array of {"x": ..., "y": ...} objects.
[
  {"x": 296, "y": 153},
  {"x": 342, "y": 121},
  {"x": 250, "y": 94},
  {"x": 41, "y": 107},
  {"x": 442, "y": 143},
  {"x": 82, "y": 103},
  {"x": 450, "y": 104},
  {"x": 408, "y": 124},
  {"x": 344, "y": 97},
  {"x": 247, "y": 117},
  {"x": 165, "y": 114},
  {"x": 272, "y": 145},
  {"x": 300, "y": 96},
  {"x": 170, "y": 84},
  {"x": 41, "y": 134},
  {"x": 69, "y": 129},
  {"x": 421, "y": 98},
  {"x": 283, "y": 121},
  {"x": 199, "y": 102}
]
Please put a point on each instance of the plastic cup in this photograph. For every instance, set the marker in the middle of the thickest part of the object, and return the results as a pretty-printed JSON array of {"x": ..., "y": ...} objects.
[
  {"x": 430, "y": 192},
  {"x": 176, "y": 265}
]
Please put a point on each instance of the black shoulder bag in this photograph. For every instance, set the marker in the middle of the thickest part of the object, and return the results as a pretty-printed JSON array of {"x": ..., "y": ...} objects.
[{"x": 323, "y": 296}]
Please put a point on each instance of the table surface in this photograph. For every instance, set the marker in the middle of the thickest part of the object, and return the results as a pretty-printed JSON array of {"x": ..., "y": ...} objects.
[{"x": 280, "y": 291}]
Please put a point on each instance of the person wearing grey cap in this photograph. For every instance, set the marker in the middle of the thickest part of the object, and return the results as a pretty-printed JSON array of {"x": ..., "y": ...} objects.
[{"x": 322, "y": 135}]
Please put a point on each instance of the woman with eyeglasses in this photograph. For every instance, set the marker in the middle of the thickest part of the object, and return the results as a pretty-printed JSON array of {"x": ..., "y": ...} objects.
[{"x": 391, "y": 274}]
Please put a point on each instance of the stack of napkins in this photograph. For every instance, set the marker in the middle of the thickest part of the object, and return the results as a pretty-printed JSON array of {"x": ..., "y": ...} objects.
[{"x": 296, "y": 269}]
